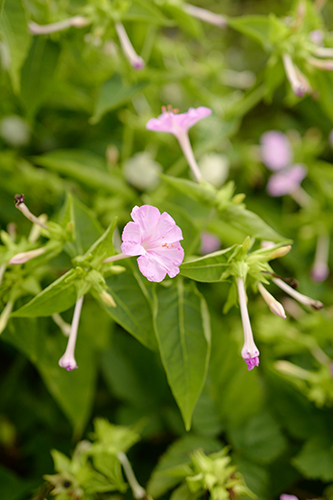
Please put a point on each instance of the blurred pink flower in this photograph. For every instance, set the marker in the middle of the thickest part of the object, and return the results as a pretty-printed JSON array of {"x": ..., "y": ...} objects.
[
  {"x": 179, "y": 125},
  {"x": 209, "y": 243},
  {"x": 276, "y": 154},
  {"x": 275, "y": 150},
  {"x": 155, "y": 238},
  {"x": 288, "y": 497},
  {"x": 330, "y": 138}
]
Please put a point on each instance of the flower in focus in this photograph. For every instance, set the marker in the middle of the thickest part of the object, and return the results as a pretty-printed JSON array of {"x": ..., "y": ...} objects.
[
  {"x": 179, "y": 125},
  {"x": 250, "y": 352},
  {"x": 155, "y": 238},
  {"x": 277, "y": 156}
]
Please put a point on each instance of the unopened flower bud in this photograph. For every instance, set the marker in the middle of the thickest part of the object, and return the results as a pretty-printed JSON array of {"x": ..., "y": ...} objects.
[
  {"x": 23, "y": 257},
  {"x": 107, "y": 299},
  {"x": 280, "y": 252},
  {"x": 272, "y": 303}
]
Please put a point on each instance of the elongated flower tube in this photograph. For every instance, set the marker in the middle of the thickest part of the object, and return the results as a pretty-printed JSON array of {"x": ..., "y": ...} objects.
[
  {"x": 45, "y": 29},
  {"x": 68, "y": 359},
  {"x": 19, "y": 203},
  {"x": 23, "y": 257},
  {"x": 179, "y": 125},
  {"x": 137, "y": 490},
  {"x": 250, "y": 352},
  {"x": 303, "y": 299},
  {"x": 320, "y": 269},
  {"x": 299, "y": 83},
  {"x": 135, "y": 61},
  {"x": 205, "y": 15},
  {"x": 154, "y": 237},
  {"x": 272, "y": 303}
]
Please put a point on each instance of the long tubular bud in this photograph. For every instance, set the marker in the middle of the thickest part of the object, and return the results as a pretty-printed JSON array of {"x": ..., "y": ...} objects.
[
  {"x": 205, "y": 15},
  {"x": 137, "y": 490},
  {"x": 250, "y": 352},
  {"x": 19, "y": 203},
  {"x": 303, "y": 299},
  {"x": 45, "y": 29},
  {"x": 135, "y": 61},
  {"x": 68, "y": 360}
]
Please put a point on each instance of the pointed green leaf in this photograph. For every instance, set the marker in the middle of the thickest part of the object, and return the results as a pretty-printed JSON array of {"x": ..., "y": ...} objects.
[
  {"x": 183, "y": 332},
  {"x": 14, "y": 30},
  {"x": 85, "y": 167},
  {"x": 315, "y": 460},
  {"x": 113, "y": 94},
  {"x": 133, "y": 311},
  {"x": 57, "y": 297},
  {"x": 38, "y": 74},
  {"x": 208, "y": 269},
  {"x": 103, "y": 247},
  {"x": 86, "y": 226},
  {"x": 255, "y": 27},
  {"x": 145, "y": 11}
]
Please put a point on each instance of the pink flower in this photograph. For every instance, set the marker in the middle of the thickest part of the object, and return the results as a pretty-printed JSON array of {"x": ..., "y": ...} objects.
[
  {"x": 179, "y": 125},
  {"x": 277, "y": 156},
  {"x": 275, "y": 150},
  {"x": 288, "y": 497},
  {"x": 155, "y": 238},
  {"x": 287, "y": 180},
  {"x": 209, "y": 243}
]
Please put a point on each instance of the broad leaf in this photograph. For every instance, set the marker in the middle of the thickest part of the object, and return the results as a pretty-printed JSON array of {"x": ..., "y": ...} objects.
[
  {"x": 112, "y": 94},
  {"x": 208, "y": 269},
  {"x": 145, "y": 11},
  {"x": 57, "y": 297},
  {"x": 255, "y": 27},
  {"x": 315, "y": 460},
  {"x": 14, "y": 29},
  {"x": 183, "y": 332},
  {"x": 38, "y": 74},
  {"x": 85, "y": 167},
  {"x": 133, "y": 311}
]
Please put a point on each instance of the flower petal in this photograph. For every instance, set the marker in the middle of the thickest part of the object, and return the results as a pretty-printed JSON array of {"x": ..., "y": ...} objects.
[
  {"x": 147, "y": 217},
  {"x": 132, "y": 240},
  {"x": 151, "y": 269},
  {"x": 165, "y": 233},
  {"x": 177, "y": 124}
]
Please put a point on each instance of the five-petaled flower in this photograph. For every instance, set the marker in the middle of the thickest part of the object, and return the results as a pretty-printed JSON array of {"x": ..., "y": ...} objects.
[
  {"x": 178, "y": 125},
  {"x": 276, "y": 154},
  {"x": 154, "y": 237}
]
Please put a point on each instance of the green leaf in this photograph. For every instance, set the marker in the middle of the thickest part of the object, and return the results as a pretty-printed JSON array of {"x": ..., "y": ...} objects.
[
  {"x": 250, "y": 224},
  {"x": 14, "y": 30},
  {"x": 86, "y": 226},
  {"x": 2, "y": 2},
  {"x": 103, "y": 247},
  {"x": 145, "y": 11},
  {"x": 204, "y": 193},
  {"x": 255, "y": 27},
  {"x": 12, "y": 487},
  {"x": 315, "y": 460},
  {"x": 133, "y": 311},
  {"x": 208, "y": 269},
  {"x": 73, "y": 391},
  {"x": 85, "y": 167},
  {"x": 112, "y": 94},
  {"x": 259, "y": 439},
  {"x": 185, "y": 22},
  {"x": 57, "y": 297},
  {"x": 163, "y": 477},
  {"x": 38, "y": 74},
  {"x": 183, "y": 332},
  {"x": 256, "y": 478}
]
